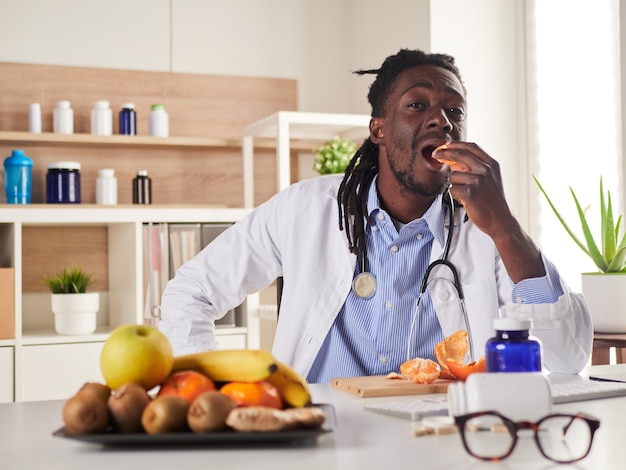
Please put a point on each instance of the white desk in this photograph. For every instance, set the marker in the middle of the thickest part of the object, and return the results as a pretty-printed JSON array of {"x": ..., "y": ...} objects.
[{"x": 363, "y": 440}]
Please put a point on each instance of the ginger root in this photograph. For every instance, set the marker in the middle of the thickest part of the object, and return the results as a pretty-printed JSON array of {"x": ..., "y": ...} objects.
[{"x": 265, "y": 419}]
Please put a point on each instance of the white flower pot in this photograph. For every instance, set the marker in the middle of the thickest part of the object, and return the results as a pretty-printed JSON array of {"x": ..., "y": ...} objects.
[
  {"x": 606, "y": 297},
  {"x": 75, "y": 314}
]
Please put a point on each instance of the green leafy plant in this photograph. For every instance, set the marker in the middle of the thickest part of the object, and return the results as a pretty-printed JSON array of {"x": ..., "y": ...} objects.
[
  {"x": 611, "y": 258},
  {"x": 69, "y": 281},
  {"x": 334, "y": 156}
]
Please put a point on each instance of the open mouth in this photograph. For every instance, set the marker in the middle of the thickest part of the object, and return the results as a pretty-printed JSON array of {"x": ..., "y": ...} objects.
[{"x": 427, "y": 152}]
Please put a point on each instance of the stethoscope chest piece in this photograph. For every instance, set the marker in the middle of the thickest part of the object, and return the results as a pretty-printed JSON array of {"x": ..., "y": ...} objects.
[{"x": 364, "y": 285}]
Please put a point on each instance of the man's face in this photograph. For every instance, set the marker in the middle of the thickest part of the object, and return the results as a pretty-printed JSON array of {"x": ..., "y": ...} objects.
[{"x": 425, "y": 109}]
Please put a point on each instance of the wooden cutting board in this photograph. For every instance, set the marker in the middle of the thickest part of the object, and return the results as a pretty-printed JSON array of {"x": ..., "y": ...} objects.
[{"x": 381, "y": 386}]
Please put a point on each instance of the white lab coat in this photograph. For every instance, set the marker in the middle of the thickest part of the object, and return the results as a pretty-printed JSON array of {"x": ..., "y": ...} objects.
[{"x": 295, "y": 234}]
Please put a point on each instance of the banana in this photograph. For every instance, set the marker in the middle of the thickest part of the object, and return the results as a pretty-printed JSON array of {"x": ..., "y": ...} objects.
[
  {"x": 292, "y": 387},
  {"x": 231, "y": 365}
]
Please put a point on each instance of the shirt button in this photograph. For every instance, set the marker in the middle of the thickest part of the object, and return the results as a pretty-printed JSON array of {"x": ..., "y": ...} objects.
[
  {"x": 389, "y": 305},
  {"x": 374, "y": 228},
  {"x": 394, "y": 248},
  {"x": 519, "y": 300},
  {"x": 419, "y": 236},
  {"x": 383, "y": 359},
  {"x": 443, "y": 294},
  {"x": 380, "y": 216}
]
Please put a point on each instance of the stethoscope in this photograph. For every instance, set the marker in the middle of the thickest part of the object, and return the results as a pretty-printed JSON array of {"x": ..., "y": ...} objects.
[{"x": 364, "y": 283}]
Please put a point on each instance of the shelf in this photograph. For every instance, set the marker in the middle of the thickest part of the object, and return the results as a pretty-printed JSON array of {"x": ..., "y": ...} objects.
[
  {"x": 64, "y": 140},
  {"x": 83, "y": 214}
]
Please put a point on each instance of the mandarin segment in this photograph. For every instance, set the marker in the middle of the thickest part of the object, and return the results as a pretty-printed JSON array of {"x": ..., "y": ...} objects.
[{"x": 421, "y": 371}]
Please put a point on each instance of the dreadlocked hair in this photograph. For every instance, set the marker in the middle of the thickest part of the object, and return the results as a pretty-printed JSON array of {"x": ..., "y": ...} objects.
[
  {"x": 352, "y": 195},
  {"x": 360, "y": 172}
]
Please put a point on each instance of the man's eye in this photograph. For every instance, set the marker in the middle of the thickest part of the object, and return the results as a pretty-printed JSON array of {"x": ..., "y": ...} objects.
[
  {"x": 417, "y": 105},
  {"x": 458, "y": 111}
]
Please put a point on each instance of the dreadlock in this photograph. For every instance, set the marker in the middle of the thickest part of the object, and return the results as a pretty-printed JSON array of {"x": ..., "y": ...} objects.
[{"x": 360, "y": 172}]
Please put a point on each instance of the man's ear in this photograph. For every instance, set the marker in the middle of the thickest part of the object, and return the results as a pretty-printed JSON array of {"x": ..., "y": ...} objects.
[{"x": 376, "y": 130}]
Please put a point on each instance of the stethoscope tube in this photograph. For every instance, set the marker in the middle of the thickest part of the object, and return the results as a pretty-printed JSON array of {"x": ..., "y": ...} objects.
[{"x": 364, "y": 284}]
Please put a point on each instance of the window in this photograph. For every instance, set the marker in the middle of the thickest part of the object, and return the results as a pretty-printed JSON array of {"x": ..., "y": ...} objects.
[{"x": 574, "y": 109}]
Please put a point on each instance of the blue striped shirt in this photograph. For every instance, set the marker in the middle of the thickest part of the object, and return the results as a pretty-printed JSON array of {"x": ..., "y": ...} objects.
[{"x": 370, "y": 336}]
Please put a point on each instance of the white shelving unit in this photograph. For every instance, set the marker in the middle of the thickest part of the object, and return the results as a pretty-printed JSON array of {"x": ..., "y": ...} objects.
[
  {"x": 289, "y": 126},
  {"x": 46, "y": 365}
]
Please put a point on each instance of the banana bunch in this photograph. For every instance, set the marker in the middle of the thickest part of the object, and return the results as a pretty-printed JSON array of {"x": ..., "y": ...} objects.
[
  {"x": 248, "y": 365},
  {"x": 229, "y": 365},
  {"x": 293, "y": 388}
]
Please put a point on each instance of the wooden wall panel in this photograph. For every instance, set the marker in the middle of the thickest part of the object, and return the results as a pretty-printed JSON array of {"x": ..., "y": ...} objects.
[{"x": 198, "y": 105}]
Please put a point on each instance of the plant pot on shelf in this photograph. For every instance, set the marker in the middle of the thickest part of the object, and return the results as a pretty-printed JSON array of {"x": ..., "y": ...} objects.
[
  {"x": 75, "y": 314},
  {"x": 606, "y": 296}
]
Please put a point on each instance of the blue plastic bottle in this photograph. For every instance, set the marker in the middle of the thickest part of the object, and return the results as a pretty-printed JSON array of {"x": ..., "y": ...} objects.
[
  {"x": 128, "y": 119},
  {"x": 512, "y": 349},
  {"x": 63, "y": 183},
  {"x": 18, "y": 176}
]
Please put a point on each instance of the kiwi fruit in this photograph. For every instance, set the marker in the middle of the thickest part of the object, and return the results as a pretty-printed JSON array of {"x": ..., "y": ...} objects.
[
  {"x": 97, "y": 389},
  {"x": 126, "y": 405},
  {"x": 85, "y": 413},
  {"x": 209, "y": 411},
  {"x": 164, "y": 414}
]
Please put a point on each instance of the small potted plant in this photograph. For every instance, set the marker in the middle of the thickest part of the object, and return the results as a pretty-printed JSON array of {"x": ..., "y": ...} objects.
[
  {"x": 609, "y": 255},
  {"x": 75, "y": 309},
  {"x": 334, "y": 156}
]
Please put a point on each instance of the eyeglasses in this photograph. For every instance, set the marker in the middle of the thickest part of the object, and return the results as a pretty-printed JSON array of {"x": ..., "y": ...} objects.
[{"x": 562, "y": 438}]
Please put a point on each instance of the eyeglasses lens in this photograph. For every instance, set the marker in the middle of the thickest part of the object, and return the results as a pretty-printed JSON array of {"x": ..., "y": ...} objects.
[
  {"x": 564, "y": 438},
  {"x": 488, "y": 437}
]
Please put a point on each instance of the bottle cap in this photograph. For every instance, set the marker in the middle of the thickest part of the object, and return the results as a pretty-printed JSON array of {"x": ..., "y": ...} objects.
[
  {"x": 128, "y": 106},
  {"x": 511, "y": 324},
  {"x": 142, "y": 173},
  {"x": 101, "y": 104},
  {"x": 157, "y": 106},
  {"x": 63, "y": 104},
  {"x": 107, "y": 172},
  {"x": 64, "y": 166},
  {"x": 18, "y": 158},
  {"x": 35, "y": 107}
]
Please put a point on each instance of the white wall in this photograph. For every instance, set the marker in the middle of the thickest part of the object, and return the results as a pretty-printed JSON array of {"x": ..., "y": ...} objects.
[{"x": 317, "y": 42}]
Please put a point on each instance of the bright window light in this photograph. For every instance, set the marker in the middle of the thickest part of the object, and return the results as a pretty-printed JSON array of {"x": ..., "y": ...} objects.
[{"x": 575, "y": 98}]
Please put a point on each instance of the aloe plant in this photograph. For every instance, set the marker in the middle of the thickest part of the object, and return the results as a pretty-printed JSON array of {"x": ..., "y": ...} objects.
[
  {"x": 611, "y": 258},
  {"x": 72, "y": 281}
]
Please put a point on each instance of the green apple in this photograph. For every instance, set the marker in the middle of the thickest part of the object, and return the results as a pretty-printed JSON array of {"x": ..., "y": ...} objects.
[{"x": 138, "y": 354}]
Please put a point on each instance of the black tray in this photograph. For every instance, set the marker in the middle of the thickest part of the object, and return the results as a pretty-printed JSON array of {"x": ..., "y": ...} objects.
[{"x": 232, "y": 438}]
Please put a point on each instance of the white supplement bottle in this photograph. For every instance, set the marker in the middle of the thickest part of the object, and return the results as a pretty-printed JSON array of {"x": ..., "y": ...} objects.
[
  {"x": 106, "y": 187},
  {"x": 63, "y": 118},
  {"x": 34, "y": 118},
  {"x": 101, "y": 118},
  {"x": 158, "y": 122}
]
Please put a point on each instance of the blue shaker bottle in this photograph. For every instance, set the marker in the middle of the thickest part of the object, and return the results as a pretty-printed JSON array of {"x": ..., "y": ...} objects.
[
  {"x": 18, "y": 177},
  {"x": 512, "y": 349}
]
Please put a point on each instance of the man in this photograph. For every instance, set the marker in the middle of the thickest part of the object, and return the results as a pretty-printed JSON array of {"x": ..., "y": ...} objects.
[{"x": 354, "y": 251}]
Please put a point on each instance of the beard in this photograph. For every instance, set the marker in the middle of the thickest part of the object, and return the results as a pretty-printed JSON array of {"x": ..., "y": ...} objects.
[{"x": 405, "y": 176}]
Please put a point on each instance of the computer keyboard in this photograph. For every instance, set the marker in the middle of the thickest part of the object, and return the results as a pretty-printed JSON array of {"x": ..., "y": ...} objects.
[
  {"x": 565, "y": 392},
  {"x": 586, "y": 390}
]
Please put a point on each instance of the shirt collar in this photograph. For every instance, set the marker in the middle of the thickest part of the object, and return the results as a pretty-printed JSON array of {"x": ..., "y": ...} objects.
[{"x": 433, "y": 216}]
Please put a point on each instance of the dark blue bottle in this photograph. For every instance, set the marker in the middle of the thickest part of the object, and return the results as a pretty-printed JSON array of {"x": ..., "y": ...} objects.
[
  {"x": 512, "y": 349},
  {"x": 63, "y": 183},
  {"x": 128, "y": 119}
]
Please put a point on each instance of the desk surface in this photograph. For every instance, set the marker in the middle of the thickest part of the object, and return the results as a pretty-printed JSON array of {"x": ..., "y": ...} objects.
[{"x": 363, "y": 440}]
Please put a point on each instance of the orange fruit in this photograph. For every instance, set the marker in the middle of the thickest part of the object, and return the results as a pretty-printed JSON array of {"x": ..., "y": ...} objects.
[
  {"x": 261, "y": 393},
  {"x": 461, "y": 371},
  {"x": 189, "y": 384},
  {"x": 421, "y": 371},
  {"x": 452, "y": 347}
]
